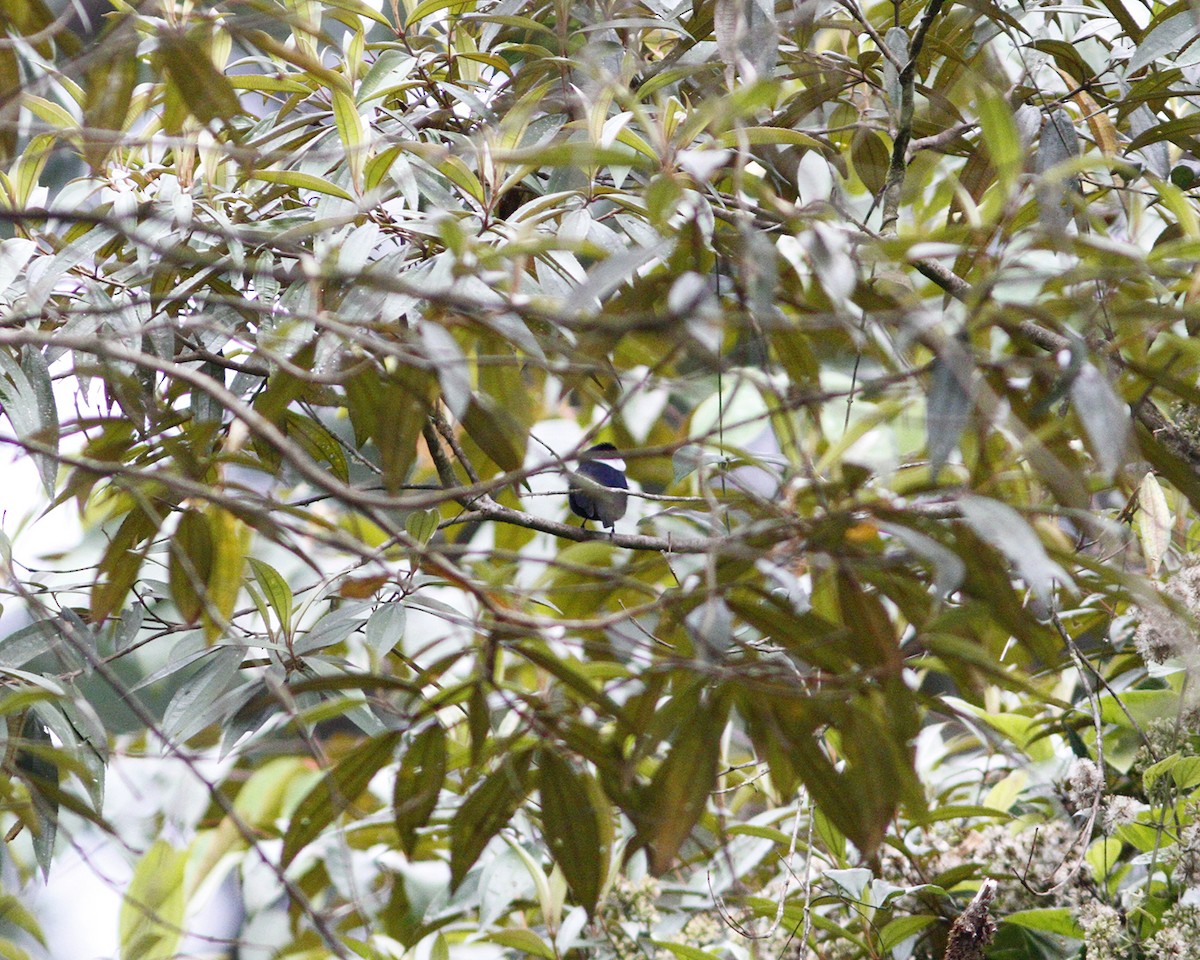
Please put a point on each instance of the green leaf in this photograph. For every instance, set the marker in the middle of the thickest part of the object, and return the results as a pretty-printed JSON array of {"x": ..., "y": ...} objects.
[
  {"x": 1057, "y": 920},
  {"x": 122, "y": 562},
  {"x": 353, "y": 133},
  {"x": 109, "y": 83},
  {"x": 951, "y": 400},
  {"x": 485, "y": 812},
  {"x": 28, "y": 401},
  {"x": 303, "y": 181},
  {"x": 185, "y": 715},
  {"x": 335, "y": 792},
  {"x": 684, "y": 951},
  {"x": 497, "y": 432},
  {"x": 1006, "y": 530},
  {"x": 230, "y": 537},
  {"x": 999, "y": 134},
  {"x": 418, "y": 784},
  {"x": 1169, "y": 36},
  {"x": 571, "y": 824},
  {"x": 871, "y": 158},
  {"x": 203, "y": 88},
  {"x": 276, "y": 590},
  {"x": 678, "y": 793},
  {"x": 190, "y": 563},
  {"x": 33, "y": 363},
  {"x": 1105, "y": 419},
  {"x": 385, "y": 628},
  {"x": 458, "y": 173},
  {"x": 39, "y": 772},
  {"x": 421, "y": 525},
  {"x": 14, "y": 913},
  {"x": 523, "y": 940},
  {"x": 900, "y": 929}
]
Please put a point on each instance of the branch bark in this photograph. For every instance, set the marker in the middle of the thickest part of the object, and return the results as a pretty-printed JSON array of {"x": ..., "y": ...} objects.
[
  {"x": 974, "y": 928},
  {"x": 908, "y": 82}
]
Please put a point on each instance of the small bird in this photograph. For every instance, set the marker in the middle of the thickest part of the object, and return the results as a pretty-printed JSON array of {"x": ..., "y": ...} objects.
[{"x": 598, "y": 486}]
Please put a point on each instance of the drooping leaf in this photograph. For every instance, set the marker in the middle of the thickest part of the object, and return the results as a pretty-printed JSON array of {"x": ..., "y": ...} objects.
[
  {"x": 230, "y": 537},
  {"x": 109, "y": 84},
  {"x": 40, "y": 772},
  {"x": 747, "y": 38},
  {"x": 122, "y": 562},
  {"x": 497, "y": 432},
  {"x": 871, "y": 158},
  {"x": 385, "y": 628},
  {"x": 186, "y": 715},
  {"x": 1059, "y": 143}
]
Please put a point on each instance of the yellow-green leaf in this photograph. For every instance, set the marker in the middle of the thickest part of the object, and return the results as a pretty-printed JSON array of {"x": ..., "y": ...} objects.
[{"x": 151, "y": 917}]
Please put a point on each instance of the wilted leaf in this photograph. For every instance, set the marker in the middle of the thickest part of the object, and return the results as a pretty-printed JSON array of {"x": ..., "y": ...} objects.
[
  {"x": 1154, "y": 527},
  {"x": 361, "y": 588}
]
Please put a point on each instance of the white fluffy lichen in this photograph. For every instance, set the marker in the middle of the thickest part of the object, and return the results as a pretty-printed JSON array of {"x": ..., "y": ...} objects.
[{"x": 1168, "y": 628}]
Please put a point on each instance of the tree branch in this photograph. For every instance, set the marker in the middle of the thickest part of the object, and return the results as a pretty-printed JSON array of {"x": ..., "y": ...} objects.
[{"x": 908, "y": 81}]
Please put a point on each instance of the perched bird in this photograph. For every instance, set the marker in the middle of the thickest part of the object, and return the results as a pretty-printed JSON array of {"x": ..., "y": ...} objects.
[{"x": 598, "y": 486}]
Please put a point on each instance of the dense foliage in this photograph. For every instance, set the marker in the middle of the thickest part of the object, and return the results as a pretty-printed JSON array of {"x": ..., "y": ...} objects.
[{"x": 308, "y": 309}]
